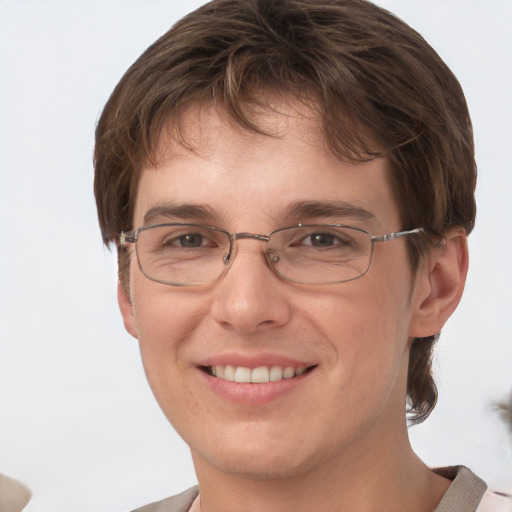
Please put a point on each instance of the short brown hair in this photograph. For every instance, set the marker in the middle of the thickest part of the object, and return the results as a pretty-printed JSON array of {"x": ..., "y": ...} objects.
[{"x": 377, "y": 84}]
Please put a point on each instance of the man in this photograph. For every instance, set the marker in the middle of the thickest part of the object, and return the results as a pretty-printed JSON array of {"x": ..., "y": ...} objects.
[{"x": 289, "y": 185}]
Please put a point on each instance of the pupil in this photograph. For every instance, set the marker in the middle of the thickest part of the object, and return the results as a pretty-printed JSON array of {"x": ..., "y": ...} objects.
[
  {"x": 321, "y": 239},
  {"x": 191, "y": 240}
]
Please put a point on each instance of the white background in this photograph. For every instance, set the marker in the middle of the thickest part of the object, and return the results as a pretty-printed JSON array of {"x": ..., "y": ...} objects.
[{"x": 78, "y": 423}]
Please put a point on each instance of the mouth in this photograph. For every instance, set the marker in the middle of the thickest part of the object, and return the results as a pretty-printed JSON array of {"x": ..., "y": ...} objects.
[{"x": 259, "y": 375}]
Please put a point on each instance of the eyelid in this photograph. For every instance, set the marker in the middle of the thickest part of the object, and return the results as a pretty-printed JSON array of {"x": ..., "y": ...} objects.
[
  {"x": 336, "y": 235},
  {"x": 208, "y": 235}
]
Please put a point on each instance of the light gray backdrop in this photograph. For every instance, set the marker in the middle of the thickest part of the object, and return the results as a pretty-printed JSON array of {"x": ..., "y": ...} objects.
[{"x": 78, "y": 423}]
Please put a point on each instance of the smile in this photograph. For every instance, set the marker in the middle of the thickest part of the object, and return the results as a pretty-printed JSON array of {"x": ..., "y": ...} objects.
[{"x": 259, "y": 375}]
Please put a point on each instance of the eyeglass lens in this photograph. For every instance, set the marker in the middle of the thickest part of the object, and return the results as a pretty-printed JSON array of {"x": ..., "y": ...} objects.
[{"x": 192, "y": 254}]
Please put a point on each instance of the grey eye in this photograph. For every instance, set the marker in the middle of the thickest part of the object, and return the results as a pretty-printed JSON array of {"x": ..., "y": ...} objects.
[
  {"x": 191, "y": 240},
  {"x": 321, "y": 240}
]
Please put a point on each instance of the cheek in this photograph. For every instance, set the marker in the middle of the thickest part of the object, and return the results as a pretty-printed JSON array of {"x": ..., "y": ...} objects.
[
  {"x": 363, "y": 311},
  {"x": 164, "y": 319},
  {"x": 163, "y": 314},
  {"x": 366, "y": 327}
]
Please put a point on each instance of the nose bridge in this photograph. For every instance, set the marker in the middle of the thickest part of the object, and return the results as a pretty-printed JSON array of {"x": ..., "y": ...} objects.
[
  {"x": 248, "y": 296},
  {"x": 241, "y": 236},
  {"x": 254, "y": 236}
]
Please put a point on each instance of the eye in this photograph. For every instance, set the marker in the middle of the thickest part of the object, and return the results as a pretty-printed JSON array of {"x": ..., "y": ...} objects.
[
  {"x": 325, "y": 240},
  {"x": 179, "y": 239},
  {"x": 320, "y": 240},
  {"x": 191, "y": 240}
]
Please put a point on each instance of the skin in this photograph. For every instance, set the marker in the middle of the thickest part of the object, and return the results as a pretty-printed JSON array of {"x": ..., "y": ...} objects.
[{"x": 337, "y": 440}]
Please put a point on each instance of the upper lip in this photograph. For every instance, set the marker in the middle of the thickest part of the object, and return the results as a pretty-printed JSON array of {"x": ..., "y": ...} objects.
[{"x": 255, "y": 361}]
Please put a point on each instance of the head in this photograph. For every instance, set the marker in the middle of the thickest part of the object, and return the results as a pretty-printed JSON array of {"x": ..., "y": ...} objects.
[{"x": 378, "y": 89}]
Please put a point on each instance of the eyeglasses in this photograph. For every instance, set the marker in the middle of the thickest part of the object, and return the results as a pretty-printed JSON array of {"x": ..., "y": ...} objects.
[{"x": 180, "y": 254}]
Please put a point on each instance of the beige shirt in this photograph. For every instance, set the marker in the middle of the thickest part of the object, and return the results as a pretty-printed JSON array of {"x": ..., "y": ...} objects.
[
  {"x": 13, "y": 495},
  {"x": 467, "y": 493}
]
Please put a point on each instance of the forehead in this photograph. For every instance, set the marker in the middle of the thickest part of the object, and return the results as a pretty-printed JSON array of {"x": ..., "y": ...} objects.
[
  {"x": 206, "y": 158},
  {"x": 198, "y": 127}
]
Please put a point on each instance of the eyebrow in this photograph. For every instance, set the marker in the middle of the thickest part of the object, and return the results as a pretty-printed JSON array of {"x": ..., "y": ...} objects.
[
  {"x": 297, "y": 211},
  {"x": 328, "y": 209},
  {"x": 172, "y": 211}
]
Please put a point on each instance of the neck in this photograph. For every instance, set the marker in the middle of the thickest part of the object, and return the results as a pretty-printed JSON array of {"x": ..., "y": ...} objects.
[{"x": 391, "y": 478}]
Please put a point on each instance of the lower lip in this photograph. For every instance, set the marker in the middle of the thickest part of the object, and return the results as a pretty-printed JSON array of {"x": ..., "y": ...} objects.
[{"x": 253, "y": 394}]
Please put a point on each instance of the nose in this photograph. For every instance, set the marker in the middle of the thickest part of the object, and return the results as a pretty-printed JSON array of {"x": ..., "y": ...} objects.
[{"x": 250, "y": 297}]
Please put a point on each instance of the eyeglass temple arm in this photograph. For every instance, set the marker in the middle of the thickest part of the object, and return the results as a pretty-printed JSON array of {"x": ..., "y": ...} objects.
[
  {"x": 392, "y": 236},
  {"x": 127, "y": 238}
]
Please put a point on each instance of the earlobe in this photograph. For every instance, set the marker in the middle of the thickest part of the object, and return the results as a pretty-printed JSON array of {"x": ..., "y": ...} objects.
[
  {"x": 126, "y": 307},
  {"x": 440, "y": 282}
]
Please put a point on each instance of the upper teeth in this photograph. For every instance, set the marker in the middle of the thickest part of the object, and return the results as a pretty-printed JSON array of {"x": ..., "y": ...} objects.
[{"x": 261, "y": 374}]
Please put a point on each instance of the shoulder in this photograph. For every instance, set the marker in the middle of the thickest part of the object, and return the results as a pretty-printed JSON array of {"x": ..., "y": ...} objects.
[
  {"x": 13, "y": 494},
  {"x": 469, "y": 492},
  {"x": 179, "y": 503}
]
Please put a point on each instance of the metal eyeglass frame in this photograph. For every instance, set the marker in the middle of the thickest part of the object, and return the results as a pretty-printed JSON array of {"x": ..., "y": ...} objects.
[{"x": 131, "y": 237}]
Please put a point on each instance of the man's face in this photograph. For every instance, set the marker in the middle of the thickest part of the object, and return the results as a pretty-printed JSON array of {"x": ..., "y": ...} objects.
[{"x": 352, "y": 337}]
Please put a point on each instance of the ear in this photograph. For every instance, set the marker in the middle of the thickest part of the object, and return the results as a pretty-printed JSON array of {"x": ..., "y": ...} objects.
[
  {"x": 126, "y": 307},
  {"x": 439, "y": 284}
]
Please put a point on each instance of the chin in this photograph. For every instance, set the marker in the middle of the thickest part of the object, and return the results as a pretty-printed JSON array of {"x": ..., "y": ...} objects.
[
  {"x": 258, "y": 466},
  {"x": 257, "y": 457}
]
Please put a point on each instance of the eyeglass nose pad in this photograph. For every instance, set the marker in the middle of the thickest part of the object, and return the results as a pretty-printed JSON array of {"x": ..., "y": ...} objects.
[
  {"x": 229, "y": 256},
  {"x": 272, "y": 259}
]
